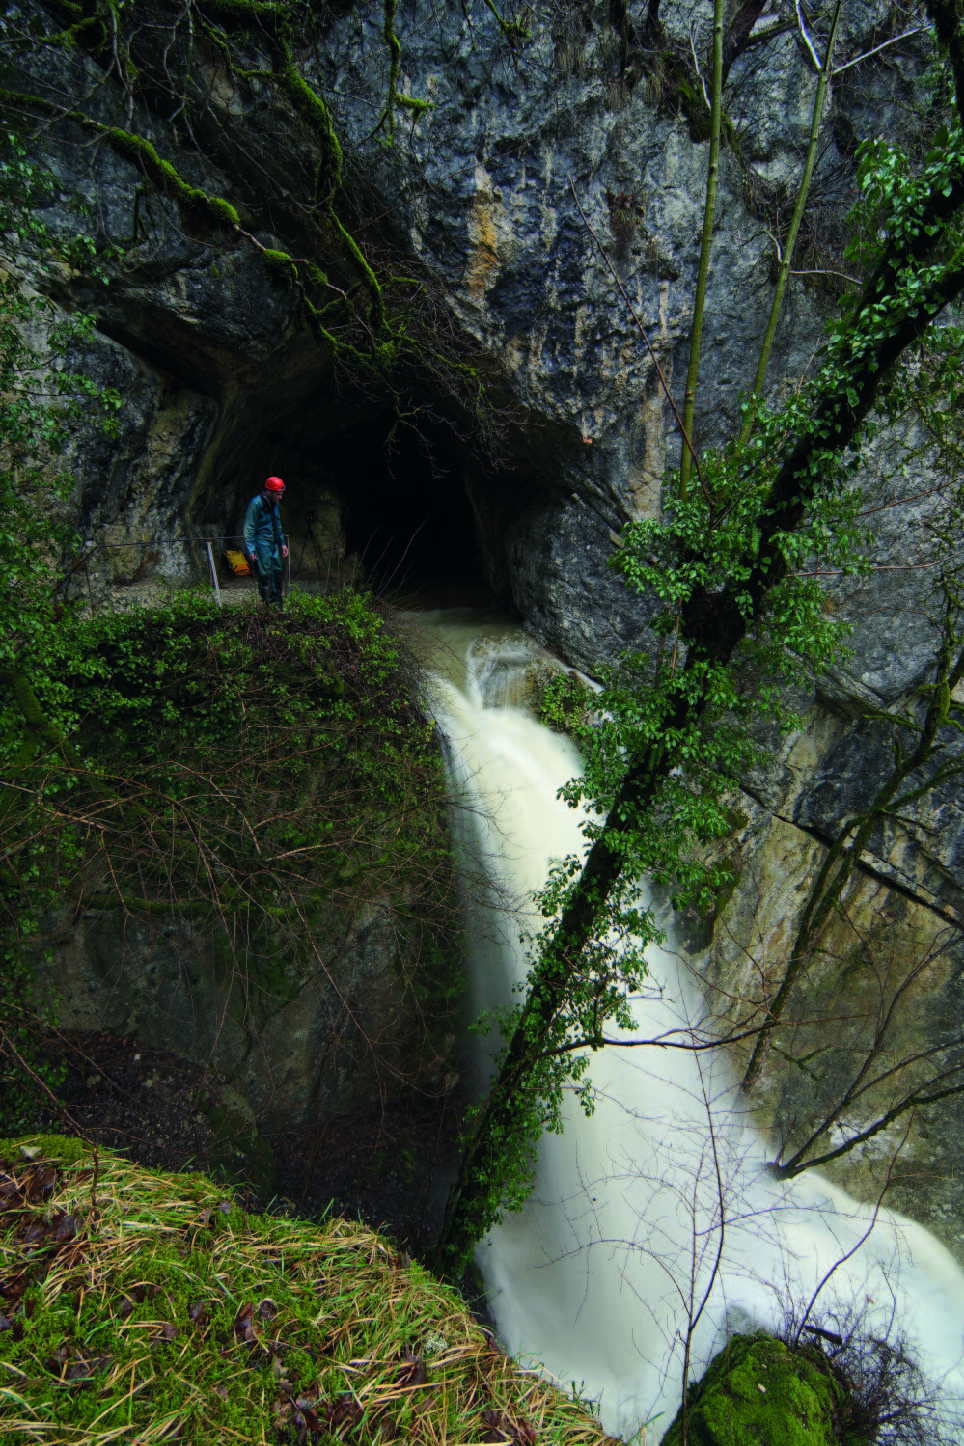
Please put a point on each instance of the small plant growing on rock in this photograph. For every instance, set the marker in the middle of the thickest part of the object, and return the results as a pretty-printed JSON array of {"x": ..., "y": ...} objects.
[
  {"x": 625, "y": 214},
  {"x": 562, "y": 702},
  {"x": 888, "y": 1399}
]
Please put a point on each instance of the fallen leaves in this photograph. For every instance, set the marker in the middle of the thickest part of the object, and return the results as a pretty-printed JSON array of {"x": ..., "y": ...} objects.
[
  {"x": 412, "y": 1372},
  {"x": 342, "y": 1350},
  {"x": 245, "y": 1327},
  {"x": 11, "y": 1196},
  {"x": 71, "y": 1366},
  {"x": 35, "y": 1186},
  {"x": 134, "y": 1295},
  {"x": 14, "y": 1286},
  {"x": 507, "y": 1430},
  {"x": 298, "y": 1417},
  {"x": 37, "y": 1234}
]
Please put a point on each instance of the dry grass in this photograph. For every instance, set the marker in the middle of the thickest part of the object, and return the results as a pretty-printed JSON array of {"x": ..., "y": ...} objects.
[{"x": 142, "y": 1308}]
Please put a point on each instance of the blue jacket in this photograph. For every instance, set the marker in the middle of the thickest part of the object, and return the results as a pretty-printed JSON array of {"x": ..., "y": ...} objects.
[{"x": 262, "y": 528}]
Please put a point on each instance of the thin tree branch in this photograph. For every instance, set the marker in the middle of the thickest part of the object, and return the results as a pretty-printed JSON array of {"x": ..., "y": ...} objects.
[{"x": 894, "y": 40}]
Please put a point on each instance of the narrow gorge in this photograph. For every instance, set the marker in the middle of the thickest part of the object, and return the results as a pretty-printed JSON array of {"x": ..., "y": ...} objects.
[{"x": 443, "y": 270}]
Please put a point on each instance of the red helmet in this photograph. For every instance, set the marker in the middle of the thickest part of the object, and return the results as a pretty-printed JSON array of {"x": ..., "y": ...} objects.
[{"x": 274, "y": 484}]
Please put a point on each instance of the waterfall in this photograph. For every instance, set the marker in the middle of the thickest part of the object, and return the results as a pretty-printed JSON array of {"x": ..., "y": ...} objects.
[{"x": 596, "y": 1279}]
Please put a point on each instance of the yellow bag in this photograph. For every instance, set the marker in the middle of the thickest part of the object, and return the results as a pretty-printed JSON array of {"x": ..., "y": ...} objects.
[{"x": 236, "y": 563}]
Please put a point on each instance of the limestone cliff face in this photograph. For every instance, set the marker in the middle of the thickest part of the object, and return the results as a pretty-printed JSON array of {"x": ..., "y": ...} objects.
[
  {"x": 223, "y": 378},
  {"x": 877, "y": 1011}
]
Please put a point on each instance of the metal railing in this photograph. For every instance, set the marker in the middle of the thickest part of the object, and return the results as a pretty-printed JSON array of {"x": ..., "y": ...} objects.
[{"x": 189, "y": 550}]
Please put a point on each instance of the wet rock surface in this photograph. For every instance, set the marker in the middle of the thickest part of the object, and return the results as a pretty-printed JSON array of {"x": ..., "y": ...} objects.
[
  {"x": 223, "y": 378},
  {"x": 388, "y": 1168},
  {"x": 296, "y": 1045}
]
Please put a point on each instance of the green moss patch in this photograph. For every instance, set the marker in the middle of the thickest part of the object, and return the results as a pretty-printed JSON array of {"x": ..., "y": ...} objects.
[
  {"x": 141, "y": 1307},
  {"x": 759, "y": 1392},
  {"x": 212, "y": 211}
]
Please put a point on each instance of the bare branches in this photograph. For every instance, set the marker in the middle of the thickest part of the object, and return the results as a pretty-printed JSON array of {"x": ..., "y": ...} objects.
[
  {"x": 847, "y": 849},
  {"x": 786, "y": 254},
  {"x": 884, "y": 44},
  {"x": 842, "y": 1260}
]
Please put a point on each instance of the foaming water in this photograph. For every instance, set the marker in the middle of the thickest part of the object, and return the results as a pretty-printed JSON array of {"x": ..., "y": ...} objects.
[{"x": 598, "y": 1277}]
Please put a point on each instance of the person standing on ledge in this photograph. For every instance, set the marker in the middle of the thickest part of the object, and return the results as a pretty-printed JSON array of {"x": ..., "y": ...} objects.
[{"x": 264, "y": 542}]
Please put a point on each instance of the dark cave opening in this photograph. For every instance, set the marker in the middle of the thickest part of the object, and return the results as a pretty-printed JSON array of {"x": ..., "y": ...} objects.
[
  {"x": 407, "y": 513},
  {"x": 405, "y": 509}
]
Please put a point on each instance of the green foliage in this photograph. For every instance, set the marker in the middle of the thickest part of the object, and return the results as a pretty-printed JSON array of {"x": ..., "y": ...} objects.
[
  {"x": 643, "y": 711},
  {"x": 307, "y": 707},
  {"x": 41, "y": 401},
  {"x": 252, "y": 773},
  {"x": 564, "y": 705}
]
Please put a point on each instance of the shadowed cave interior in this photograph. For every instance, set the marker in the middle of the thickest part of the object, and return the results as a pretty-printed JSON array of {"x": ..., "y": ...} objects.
[{"x": 404, "y": 509}]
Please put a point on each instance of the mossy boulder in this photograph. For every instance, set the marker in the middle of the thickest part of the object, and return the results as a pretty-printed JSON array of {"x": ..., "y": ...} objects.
[{"x": 760, "y": 1392}]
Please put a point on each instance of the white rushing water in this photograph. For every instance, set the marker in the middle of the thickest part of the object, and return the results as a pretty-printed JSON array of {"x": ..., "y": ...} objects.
[{"x": 597, "y": 1278}]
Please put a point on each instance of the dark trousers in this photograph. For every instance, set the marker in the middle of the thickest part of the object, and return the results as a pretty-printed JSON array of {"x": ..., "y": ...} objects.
[{"x": 268, "y": 570}]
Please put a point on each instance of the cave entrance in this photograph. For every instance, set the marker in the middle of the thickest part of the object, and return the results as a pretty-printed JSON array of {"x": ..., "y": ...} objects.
[{"x": 407, "y": 514}]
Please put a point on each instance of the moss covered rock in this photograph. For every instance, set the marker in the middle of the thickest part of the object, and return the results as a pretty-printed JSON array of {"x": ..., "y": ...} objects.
[{"x": 759, "y": 1392}]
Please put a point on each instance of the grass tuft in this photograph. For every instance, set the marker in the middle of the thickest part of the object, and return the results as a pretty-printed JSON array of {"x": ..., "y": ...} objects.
[{"x": 144, "y": 1307}]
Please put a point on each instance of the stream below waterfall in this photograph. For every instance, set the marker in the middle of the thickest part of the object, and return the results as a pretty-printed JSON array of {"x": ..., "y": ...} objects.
[{"x": 597, "y": 1277}]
